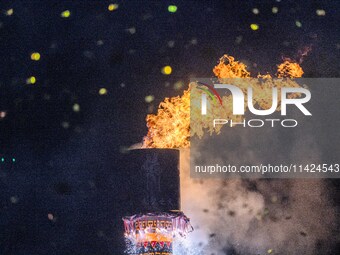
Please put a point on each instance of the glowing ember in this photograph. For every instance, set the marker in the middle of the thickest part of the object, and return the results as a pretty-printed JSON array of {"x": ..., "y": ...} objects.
[
  {"x": 154, "y": 233},
  {"x": 170, "y": 127}
]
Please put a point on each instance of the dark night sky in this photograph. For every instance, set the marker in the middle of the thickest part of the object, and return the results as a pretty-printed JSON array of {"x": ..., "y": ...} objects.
[{"x": 65, "y": 159}]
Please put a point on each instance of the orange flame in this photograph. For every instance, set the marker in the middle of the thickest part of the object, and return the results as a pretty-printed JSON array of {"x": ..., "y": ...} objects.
[
  {"x": 170, "y": 127},
  {"x": 229, "y": 68},
  {"x": 289, "y": 69}
]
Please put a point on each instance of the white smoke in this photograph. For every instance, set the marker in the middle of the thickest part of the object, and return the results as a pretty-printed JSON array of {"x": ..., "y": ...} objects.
[{"x": 268, "y": 216}]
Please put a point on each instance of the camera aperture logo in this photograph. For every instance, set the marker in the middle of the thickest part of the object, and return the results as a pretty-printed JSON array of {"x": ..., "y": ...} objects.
[{"x": 241, "y": 101}]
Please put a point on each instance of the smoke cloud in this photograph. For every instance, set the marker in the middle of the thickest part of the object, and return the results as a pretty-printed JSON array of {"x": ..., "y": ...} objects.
[{"x": 258, "y": 216}]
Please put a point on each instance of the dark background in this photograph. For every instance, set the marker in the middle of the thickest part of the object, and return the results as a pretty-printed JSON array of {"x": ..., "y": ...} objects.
[{"x": 60, "y": 180}]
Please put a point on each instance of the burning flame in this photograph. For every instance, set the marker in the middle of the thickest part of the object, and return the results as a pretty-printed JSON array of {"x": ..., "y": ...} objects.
[
  {"x": 170, "y": 127},
  {"x": 229, "y": 68},
  {"x": 289, "y": 69}
]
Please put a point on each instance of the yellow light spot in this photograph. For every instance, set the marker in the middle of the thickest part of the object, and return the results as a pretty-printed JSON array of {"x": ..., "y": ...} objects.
[
  {"x": 172, "y": 8},
  {"x": 76, "y": 107},
  {"x": 270, "y": 251},
  {"x": 320, "y": 12},
  {"x": 256, "y": 11},
  {"x": 298, "y": 23},
  {"x": 275, "y": 10},
  {"x": 103, "y": 91},
  {"x": 167, "y": 70},
  {"x": 9, "y": 12},
  {"x": 31, "y": 80},
  {"x": 149, "y": 98},
  {"x": 65, "y": 14},
  {"x": 113, "y": 7},
  {"x": 35, "y": 56},
  {"x": 254, "y": 27}
]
